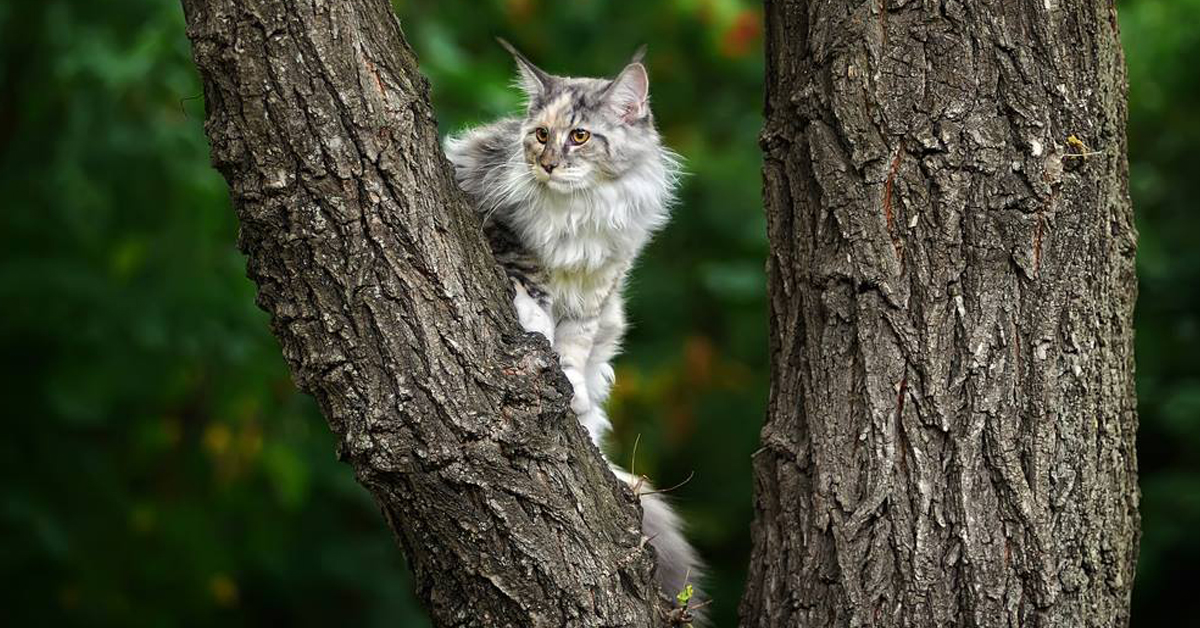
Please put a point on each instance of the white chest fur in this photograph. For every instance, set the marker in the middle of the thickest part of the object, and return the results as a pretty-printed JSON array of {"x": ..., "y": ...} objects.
[{"x": 586, "y": 241}]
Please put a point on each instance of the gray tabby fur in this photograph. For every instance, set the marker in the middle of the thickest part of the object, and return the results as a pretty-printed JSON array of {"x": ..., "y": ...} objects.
[{"x": 567, "y": 221}]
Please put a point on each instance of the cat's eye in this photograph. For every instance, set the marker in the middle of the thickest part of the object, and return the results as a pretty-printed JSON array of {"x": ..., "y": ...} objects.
[
  {"x": 541, "y": 134},
  {"x": 579, "y": 136}
]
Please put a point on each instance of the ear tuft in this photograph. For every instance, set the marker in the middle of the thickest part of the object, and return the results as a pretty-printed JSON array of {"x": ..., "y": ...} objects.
[
  {"x": 639, "y": 54},
  {"x": 532, "y": 80},
  {"x": 627, "y": 95}
]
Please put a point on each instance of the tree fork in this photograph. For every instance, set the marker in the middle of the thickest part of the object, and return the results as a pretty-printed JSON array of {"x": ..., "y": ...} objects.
[
  {"x": 392, "y": 313},
  {"x": 950, "y": 439}
]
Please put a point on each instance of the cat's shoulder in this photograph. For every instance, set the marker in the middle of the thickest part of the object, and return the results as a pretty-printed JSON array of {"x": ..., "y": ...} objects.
[{"x": 494, "y": 138}]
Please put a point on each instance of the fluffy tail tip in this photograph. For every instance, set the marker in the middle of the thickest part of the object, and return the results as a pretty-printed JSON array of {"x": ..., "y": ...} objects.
[{"x": 679, "y": 564}]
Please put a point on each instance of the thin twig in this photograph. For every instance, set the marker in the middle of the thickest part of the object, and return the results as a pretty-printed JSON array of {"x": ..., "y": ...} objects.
[
  {"x": 668, "y": 490},
  {"x": 633, "y": 456}
]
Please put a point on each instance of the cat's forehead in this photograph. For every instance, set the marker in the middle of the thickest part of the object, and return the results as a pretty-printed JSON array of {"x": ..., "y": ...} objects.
[{"x": 568, "y": 100}]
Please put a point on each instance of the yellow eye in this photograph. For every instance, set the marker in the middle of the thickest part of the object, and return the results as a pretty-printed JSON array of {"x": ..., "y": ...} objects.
[
  {"x": 579, "y": 136},
  {"x": 541, "y": 134}
]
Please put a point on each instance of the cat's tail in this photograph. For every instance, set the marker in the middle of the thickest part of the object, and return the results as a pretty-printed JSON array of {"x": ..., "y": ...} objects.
[{"x": 679, "y": 564}]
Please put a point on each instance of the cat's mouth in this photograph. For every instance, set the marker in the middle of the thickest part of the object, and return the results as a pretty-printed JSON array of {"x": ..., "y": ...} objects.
[{"x": 560, "y": 180}]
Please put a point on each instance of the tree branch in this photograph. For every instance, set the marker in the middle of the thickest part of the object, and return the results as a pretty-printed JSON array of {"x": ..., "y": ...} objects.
[{"x": 392, "y": 313}]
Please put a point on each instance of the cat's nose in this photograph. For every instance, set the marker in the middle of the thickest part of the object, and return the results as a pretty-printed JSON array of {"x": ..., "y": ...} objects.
[{"x": 548, "y": 166}]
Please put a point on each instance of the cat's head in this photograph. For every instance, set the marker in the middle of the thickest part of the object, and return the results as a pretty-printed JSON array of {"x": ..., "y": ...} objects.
[{"x": 581, "y": 132}]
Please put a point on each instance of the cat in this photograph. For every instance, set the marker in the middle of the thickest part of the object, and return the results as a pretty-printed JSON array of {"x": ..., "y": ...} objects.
[{"x": 570, "y": 193}]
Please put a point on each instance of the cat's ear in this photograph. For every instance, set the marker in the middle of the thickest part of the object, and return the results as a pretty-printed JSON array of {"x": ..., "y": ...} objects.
[
  {"x": 628, "y": 94},
  {"x": 532, "y": 79}
]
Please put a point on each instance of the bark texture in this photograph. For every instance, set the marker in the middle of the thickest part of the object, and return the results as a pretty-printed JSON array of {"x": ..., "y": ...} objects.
[
  {"x": 392, "y": 313},
  {"x": 951, "y": 431}
]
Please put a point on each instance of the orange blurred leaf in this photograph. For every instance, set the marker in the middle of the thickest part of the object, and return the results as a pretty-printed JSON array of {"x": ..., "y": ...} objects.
[{"x": 743, "y": 34}]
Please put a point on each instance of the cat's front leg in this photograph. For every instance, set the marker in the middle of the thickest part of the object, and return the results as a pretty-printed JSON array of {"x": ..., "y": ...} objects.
[
  {"x": 605, "y": 346},
  {"x": 573, "y": 339}
]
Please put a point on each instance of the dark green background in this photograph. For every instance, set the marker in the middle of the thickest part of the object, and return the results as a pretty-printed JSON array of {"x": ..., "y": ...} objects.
[{"x": 158, "y": 467}]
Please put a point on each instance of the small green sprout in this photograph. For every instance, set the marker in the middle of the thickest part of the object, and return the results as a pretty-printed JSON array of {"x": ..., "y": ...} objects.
[{"x": 685, "y": 595}]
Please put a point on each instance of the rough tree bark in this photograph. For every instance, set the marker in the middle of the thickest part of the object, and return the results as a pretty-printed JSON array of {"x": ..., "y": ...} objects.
[
  {"x": 950, "y": 439},
  {"x": 393, "y": 315}
]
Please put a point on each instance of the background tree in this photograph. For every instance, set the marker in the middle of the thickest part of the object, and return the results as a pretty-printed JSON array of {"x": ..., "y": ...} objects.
[
  {"x": 160, "y": 467},
  {"x": 951, "y": 433}
]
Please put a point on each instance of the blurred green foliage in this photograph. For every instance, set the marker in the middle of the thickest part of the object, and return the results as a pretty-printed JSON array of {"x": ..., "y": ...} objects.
[
  {"x": 1162, "y": 49},
  {"x": 159, "y": 468}
]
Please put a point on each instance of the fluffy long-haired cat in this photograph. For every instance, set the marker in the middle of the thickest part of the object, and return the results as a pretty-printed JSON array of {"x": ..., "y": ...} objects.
[{"x": 570, "y": 193}]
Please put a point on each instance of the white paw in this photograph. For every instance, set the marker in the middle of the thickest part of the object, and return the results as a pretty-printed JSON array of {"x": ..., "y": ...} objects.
[
  {"x": 580, "y": 401},
  {"x": 600, "y": 380}
]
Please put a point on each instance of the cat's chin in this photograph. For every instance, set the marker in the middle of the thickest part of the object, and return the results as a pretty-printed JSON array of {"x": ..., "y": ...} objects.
[{"x": 563, "y": 187}]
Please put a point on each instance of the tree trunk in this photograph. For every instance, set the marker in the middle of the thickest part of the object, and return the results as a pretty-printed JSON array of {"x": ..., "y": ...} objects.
[
  {"x": 392, "y": 313},
  {"x": 950, "y": 439}
]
